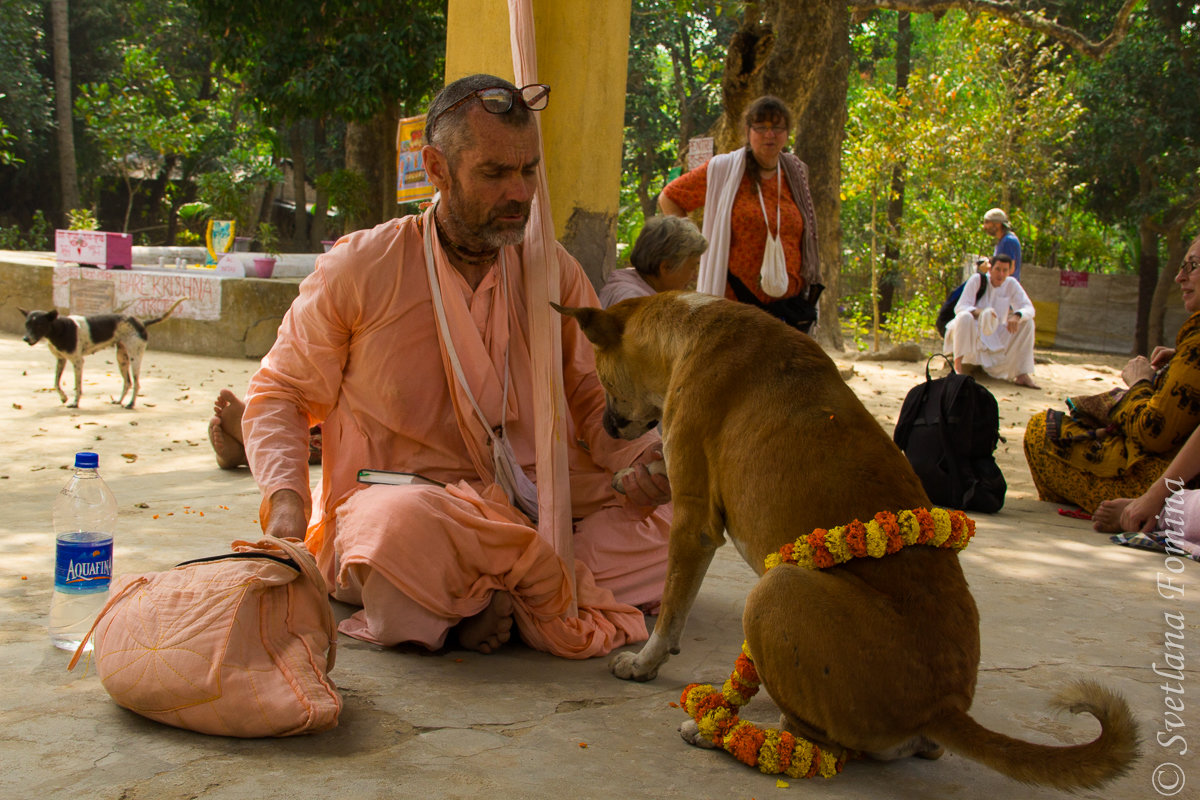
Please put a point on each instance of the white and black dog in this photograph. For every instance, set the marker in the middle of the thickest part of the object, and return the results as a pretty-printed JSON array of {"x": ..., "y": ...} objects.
[{"x": 72, "y": 337}]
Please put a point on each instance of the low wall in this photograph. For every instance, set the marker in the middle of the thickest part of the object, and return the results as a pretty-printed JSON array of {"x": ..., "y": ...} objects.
[
  {"x": 228, "y": 317},
  {"x": 1087, "y": 311}
]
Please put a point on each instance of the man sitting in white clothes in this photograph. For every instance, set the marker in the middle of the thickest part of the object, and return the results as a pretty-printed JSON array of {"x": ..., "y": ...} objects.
[{"x": 995, "y": 330}]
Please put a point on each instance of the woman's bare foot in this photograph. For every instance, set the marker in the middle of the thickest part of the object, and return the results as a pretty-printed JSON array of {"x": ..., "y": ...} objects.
[
  {"x": 1107, "y": 516},
  {"x": 490, "y": 628},
  {"x": 1026, "y": 380},
  {"x": 225, "y": 430}
]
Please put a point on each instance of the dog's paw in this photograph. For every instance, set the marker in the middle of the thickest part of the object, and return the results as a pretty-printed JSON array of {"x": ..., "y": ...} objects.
[
  {"x": 689, "y": 731},
  {"x": 658, "y": 467},
  {"x": 617, "y": 477},
  {"x": 625, "y": 666}
]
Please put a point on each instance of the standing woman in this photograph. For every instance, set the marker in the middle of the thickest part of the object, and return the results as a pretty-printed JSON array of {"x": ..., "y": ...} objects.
[{"x": 759, "y": 221}]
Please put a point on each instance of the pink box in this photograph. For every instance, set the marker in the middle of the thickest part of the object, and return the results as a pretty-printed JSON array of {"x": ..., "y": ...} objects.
[{"x": 103, "y": 249}]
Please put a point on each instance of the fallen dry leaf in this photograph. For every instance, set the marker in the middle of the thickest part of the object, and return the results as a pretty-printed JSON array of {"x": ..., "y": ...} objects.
[
  {"x": 130, "y": 457},
  {"x": 17, "y": 406}
]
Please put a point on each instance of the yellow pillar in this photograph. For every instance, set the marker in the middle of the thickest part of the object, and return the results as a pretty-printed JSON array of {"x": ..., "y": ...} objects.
[{"x": 582, "y": 51}]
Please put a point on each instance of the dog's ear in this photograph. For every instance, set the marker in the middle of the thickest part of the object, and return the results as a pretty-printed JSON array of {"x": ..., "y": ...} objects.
[
  {"x": 24, "y": 313},
  {"x": 600, "y": 327}
]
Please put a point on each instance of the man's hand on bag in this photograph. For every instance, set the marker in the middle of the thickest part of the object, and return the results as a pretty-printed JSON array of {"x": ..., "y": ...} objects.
[
  {"x": 644, "y": 487},
  {"x": 286, "y": 519}
]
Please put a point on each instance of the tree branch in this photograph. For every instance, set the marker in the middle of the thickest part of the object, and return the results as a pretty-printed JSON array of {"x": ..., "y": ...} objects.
[{"x": 1012, "y": 12}]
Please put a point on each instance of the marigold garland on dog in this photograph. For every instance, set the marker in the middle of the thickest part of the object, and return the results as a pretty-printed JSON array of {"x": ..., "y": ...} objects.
[
  {"x": 885, "y": 534},
  {"x": 774, "y": 751}
]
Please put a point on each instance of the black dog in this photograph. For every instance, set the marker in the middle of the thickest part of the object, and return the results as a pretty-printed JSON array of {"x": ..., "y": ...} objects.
[{"x": 71, "y": 338}]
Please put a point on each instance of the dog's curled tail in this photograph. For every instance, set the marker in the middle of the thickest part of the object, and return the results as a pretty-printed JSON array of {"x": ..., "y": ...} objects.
[
  {"x": 1081, "y": 766},
  {"x": 170, "y": 310}
]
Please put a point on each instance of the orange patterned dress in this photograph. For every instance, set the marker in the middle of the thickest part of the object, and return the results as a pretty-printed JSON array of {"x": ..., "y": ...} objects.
[{"x": 1146, "y": 429}]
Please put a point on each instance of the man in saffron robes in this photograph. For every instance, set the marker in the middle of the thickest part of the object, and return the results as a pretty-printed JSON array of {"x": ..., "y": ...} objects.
[{"x": 410, "y": 345}]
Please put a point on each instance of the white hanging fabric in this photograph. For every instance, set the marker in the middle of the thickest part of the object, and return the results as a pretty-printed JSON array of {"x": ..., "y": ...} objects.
[
  {"x": 507, "y": 472},
  {"x": 772, "y": 276}
]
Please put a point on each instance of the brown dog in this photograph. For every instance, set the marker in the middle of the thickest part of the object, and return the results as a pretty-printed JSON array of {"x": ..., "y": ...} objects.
[{"x": 764, "y": 441}]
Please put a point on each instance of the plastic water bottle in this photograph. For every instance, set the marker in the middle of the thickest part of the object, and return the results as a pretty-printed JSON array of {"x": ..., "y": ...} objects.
[{"x": 85, "y": 516}]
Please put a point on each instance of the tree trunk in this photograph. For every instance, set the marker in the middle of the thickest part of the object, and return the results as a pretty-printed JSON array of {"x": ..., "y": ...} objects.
[
  {"x": 895, "y": 205},
  {"x": 68, "y": 175},
  {"x": 1176, "y": 250},
  {"x": 1147, "y": 278},
  {"x": 813, "y": 80},
  {"x": 371, "y": 152},
  {"x": 321, "y": 203},
  {"x": 299, "y": 185}
]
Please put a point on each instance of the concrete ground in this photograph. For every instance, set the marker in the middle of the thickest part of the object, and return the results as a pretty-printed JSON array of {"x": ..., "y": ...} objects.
[{"x": 1058, "y": 602}]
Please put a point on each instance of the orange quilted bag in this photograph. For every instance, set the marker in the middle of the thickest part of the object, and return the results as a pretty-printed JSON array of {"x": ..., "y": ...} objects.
[{"x": 233, "y": 645}]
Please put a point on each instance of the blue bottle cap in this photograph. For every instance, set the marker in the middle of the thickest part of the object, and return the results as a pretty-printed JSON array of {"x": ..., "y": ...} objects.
[{"x": 87, "y": 460}]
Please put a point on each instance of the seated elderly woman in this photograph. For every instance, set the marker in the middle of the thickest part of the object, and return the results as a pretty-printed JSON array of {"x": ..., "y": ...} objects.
[
  {"x": 665, "y": 256},
  {"x": 1118, "y": 444}
]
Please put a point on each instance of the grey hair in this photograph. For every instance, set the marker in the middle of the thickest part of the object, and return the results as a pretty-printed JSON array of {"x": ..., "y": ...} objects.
[
  {"x": 666, "y": 238},
  {"x": 449, "y": 131}
]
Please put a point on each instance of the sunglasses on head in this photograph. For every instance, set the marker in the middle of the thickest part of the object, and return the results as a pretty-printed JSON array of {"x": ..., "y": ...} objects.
[{"x": 500, "y": 99}]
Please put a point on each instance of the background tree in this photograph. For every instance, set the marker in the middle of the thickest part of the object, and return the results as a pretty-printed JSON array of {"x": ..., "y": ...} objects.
[
  {"x": 812, "y": 73},
  {"x": 365, "y": 61},
  {"x": 1138, "y": 154},
  {"x": 68, "y": 176},
  {"x": 26, "y": 103},
  {"x": 139, "y": 119},
  {"x": 671, "y": 90}
]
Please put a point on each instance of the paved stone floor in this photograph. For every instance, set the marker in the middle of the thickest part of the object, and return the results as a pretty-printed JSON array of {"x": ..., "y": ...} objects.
[{"x": 1058, "y": 602}]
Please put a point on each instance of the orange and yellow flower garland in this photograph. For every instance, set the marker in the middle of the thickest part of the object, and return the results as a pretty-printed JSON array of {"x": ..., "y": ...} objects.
[
  {"x": 886, "y": 533},
  {"x": 772, "y": 751}
]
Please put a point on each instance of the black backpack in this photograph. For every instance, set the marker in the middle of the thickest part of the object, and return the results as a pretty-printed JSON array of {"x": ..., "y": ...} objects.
[{"x": 948, "y": 428}]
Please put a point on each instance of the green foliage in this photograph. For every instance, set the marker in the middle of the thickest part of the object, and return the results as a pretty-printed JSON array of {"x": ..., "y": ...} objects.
[
  {"x": 268, "y": 238},
  {"x": 138, "y": 118},
  {"x": 989, "y": 118},
  {"x": 189, "y": 237},
  {"x": 82, "y": 219},
  {"x": 676, "y": 59},
  {"x": 347, "y": 192},
  {"x": 38, "y": 236},
  {"x": 6, "y": 142},
  {"x": 1137, "y": 151},
  {"x": 26, "y": 93},
  {"x": 347, "y": 58}
]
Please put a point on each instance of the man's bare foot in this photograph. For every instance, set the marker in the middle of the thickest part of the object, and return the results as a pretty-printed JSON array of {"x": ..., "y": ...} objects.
[
  {"x": 490, "y": 628},
  {"x": 225, "y": 430},
  {"x": 230, "y": 452},
  {"x": 1026, "y": 380},
  {"x": 230, "y": 408},
  {"x": 1107, "y": 516}
]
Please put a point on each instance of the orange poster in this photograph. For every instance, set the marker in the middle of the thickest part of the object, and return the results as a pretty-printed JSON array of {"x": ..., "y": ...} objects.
[{"x": 411, "y": 184}]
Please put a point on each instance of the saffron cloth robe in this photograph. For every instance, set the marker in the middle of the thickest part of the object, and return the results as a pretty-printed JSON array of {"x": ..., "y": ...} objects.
[{"x": 359, "y": 352}]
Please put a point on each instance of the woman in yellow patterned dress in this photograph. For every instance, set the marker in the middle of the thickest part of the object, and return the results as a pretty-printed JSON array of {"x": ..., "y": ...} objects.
[{"x": 1125, "y": 453}]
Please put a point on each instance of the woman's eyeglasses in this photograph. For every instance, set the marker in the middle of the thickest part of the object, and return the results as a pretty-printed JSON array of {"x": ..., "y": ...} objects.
[
  {"x": 1188, "y": 266},
  {"x": 763, "y": 130},
  {"x": 500, "y": 99}
]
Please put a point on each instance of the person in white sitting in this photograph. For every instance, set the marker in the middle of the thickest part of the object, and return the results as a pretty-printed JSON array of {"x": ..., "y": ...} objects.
[{"x": 994, "y": 329}]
